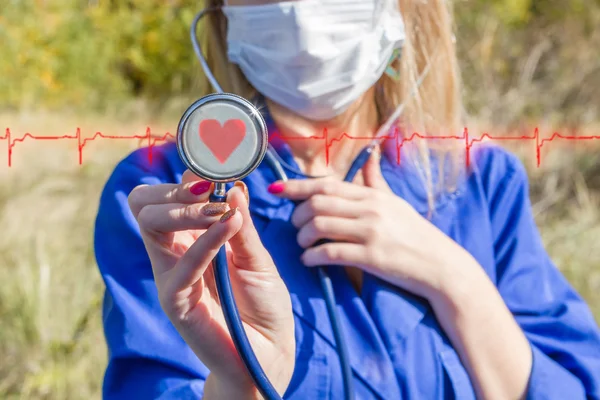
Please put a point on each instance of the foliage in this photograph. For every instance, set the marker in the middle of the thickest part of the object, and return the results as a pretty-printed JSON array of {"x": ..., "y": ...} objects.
[
  {"x": 70, "y": 54},
  {"x": 524, "y": 59}
]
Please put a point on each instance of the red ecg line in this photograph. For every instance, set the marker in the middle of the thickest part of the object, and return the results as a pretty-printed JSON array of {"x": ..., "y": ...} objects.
[
  {"x": 396, "y": 137},
  {"x": 81, "y": 142},
  {"x": 400, "y": 139}
]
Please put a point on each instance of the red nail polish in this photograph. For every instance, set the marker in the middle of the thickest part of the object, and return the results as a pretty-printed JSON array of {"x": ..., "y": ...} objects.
[
  {"x": 275, "y": 188},
  {"x": 200, "y": 187}
]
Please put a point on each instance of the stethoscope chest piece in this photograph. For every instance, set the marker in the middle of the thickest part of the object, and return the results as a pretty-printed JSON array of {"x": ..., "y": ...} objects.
[{"x": 222, "y": 137}]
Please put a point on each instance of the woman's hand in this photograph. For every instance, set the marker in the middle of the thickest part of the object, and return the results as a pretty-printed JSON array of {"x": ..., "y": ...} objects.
[
  {"x": 380, "y": 233},
  {"x": 182, "y": 234},
  {"x": 374, "y": 230}
]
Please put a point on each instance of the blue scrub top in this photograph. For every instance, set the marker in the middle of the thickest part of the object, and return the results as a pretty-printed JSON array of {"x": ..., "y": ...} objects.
[{"x": 397, "y": 348}]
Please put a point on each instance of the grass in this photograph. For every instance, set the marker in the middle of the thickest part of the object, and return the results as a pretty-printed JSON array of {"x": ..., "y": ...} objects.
[{"x": 51, "y": 342}]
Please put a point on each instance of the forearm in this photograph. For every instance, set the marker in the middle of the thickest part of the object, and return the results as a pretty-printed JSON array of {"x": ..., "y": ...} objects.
[{"x": 483, "y": 331}]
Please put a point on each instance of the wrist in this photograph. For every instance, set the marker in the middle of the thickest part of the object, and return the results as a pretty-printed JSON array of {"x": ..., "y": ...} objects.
[
  {"x": 457, "y": 283},
  {"x": 216, "y": 388}
]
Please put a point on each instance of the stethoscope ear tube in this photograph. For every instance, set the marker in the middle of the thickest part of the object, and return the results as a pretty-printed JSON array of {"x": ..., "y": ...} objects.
[
  {"x": 328, "y": 292},
  {"x": 235, "y": 324}
]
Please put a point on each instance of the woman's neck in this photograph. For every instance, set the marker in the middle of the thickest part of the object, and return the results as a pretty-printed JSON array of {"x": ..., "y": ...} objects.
[{"x": 360, "y": 120}]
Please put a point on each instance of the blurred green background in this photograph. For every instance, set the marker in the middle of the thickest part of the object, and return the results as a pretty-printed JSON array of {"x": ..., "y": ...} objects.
[
  {"x": 521, "y": 58},
  {"x": 121, "y": 65}
]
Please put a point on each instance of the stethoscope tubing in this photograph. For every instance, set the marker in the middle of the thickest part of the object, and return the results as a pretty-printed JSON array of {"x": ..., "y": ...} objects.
[
  {"x": 231, "y": 313},
  {"x": 220, "y": 265}
]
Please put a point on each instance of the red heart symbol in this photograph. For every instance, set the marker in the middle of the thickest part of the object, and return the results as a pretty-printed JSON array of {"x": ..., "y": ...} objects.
[{"x": 222, "y": 140}]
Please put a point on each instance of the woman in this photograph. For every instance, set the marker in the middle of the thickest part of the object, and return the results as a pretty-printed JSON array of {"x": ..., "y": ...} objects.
[{"x": 447, "y": 291}]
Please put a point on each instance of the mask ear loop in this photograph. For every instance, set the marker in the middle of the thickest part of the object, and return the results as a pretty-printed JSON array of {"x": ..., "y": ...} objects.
[{"x": 390, "y": 71}]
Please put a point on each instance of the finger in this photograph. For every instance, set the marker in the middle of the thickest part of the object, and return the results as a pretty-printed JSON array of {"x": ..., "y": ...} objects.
[
  {"x": 188, "y": 176},
  {"x": 175, "y": 217},
  {"x": 327, "y": 206},
  {"x": 246, "y": 246},
  {"x": 193, "y": 263},
  {"x": 333, "y": 228},
  {"x": 190, "y": 192},
  {"x": 371, "y": 171},
  {"x": 301, "y": 189},
  {"x": 349, "y": 254}
]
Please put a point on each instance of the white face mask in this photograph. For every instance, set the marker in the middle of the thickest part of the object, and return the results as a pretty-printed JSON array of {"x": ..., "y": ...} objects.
[{"x": 314, "y": 57}]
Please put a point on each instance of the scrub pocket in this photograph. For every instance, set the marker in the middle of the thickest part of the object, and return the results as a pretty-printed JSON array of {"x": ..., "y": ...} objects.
[
  {"x": 312, "y": 377},
  {"x": 457, "y": 374}
]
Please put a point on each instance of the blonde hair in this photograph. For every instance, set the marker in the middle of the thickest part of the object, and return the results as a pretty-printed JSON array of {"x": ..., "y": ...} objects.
[{"x": 436, "y": 107}]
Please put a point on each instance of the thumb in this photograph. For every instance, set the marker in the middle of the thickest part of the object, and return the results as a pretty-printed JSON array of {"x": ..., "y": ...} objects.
[
  {"x": 247, "y": 249},
  {"x": 372, "y": 175}
]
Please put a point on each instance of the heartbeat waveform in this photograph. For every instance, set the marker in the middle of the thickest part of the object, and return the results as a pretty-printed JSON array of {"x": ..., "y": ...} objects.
[
  {"x": 81, "y": 142},
  {"x": 469, "y": 141},
  {"x": 399, "y": 140}
]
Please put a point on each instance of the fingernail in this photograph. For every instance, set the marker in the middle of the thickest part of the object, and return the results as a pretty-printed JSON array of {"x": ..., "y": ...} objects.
[
  {"x": 276, "y": 187},
  {"x": 213, "y": 209},
  {"x": 225, "y": 217},
  {"x": 244, "y": 188},
  {"x": 200, "y": 187}
]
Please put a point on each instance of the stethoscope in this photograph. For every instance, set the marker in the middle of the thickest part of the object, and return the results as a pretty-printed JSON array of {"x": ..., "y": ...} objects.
[{"x": 222, "y": 138}]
